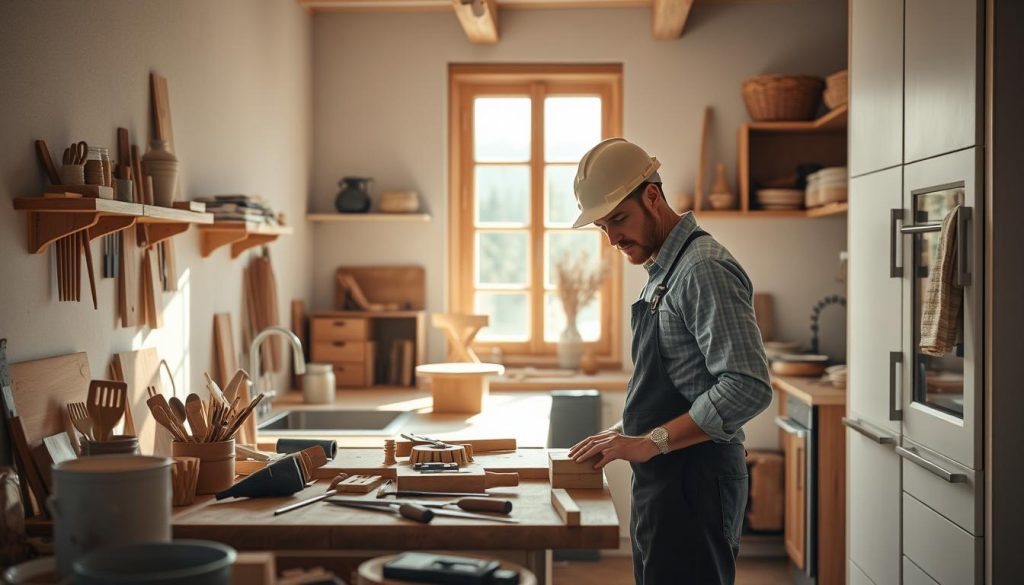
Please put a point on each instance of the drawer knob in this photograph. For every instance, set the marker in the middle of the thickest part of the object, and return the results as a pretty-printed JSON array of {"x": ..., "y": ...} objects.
[
  {"x": 339, "y": 344},
  {"x": 339, "y": 323}
]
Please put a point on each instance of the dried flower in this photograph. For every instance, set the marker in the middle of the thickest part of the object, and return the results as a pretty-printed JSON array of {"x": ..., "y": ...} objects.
[{"x": 577, "y": 282}]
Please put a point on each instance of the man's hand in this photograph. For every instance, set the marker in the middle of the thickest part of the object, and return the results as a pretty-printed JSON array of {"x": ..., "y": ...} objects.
[{"x": 607, "y": 446}]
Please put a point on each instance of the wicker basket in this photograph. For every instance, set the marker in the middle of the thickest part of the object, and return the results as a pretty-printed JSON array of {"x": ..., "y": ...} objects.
[
  {"x": 782, "y": 97},
  {"x": 837, "y": 89}
]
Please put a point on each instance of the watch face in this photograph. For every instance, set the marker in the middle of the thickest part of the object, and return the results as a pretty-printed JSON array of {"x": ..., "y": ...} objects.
[{"x": 659, "y": 434}]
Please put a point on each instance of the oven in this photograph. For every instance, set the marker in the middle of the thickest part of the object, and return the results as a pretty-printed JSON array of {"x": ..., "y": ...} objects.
[{"x": 801, "y": 451}]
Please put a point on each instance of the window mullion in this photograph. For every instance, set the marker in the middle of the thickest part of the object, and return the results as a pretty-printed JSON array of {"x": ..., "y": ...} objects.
[{"x": 537, "y": 220}]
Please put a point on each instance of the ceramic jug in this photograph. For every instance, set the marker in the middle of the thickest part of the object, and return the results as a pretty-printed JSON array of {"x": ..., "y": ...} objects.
[{"x": 354, "y": 196}]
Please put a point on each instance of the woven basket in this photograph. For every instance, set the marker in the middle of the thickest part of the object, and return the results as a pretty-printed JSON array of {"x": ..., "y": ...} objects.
[
  {"x": 782, "y": 97},
  {"x": 837, "y": 89}
]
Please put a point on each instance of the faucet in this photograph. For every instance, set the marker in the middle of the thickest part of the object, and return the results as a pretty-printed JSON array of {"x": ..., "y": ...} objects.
[{"x": 254, "y": 363}]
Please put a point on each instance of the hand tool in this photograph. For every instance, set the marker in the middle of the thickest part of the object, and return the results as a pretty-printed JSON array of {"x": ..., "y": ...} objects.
[
  {"x": 438, "y": 508},
  {"x": 421, "y": 439},
  {"x": 410, "y": 511},
  {"x": 383, "y": 492},
  {"x": 106, "y": 406},
  {"x": 331, "y": 491}
]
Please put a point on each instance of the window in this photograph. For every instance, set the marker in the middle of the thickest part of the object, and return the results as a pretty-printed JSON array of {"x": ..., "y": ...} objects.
[{"x": 517, "y": 134}]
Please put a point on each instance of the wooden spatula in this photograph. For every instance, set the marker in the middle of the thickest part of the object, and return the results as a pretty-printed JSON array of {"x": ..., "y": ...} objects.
[
  {"x": 106, "y": 406},
  {"x": 163, "y": 414},
  {"x": 80, "y": 418},
  {"x": 196, "y": 417}
]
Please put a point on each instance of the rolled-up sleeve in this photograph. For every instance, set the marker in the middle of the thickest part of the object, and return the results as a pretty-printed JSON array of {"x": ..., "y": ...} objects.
[{"x": 717, "y": 309}]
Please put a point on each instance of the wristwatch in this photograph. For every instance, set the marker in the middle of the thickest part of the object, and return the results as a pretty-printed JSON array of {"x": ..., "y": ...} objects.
[{"x": 660, "y": 437}]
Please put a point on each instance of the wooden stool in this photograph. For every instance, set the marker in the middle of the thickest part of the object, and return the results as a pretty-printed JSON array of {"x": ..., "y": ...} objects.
[
  {"x": 460, "y": 330},
  {"x": 459, "y": 387},
  {"x": 370, "y": 572}
]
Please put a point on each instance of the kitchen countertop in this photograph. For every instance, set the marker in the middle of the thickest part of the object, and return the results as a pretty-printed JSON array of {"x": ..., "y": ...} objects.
[
  {"x": 523, "y": 415},
  {"x": 812, "y": 391}
]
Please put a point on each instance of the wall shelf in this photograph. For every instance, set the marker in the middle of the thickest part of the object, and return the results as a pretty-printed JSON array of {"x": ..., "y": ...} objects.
[
  {"x": 368, "y": 217},
  {"x": 241, "y": 235},
  {"x": 814, "y": 212},
  {"x": 52, "y": 218}
]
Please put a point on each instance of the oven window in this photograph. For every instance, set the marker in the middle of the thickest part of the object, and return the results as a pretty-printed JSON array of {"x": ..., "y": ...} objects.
[{"x": 938, "y": 380}]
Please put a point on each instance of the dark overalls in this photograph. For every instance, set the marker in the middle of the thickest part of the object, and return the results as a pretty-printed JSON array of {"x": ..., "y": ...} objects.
[{"x": 688, "y": 505}]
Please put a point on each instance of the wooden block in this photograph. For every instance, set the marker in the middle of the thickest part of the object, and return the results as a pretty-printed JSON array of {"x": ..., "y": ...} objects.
[
  {"x": 224, "y": 348},
  {"x": 404, "y": 448},
  {"x": 359, "y": 484},
  {"x": 469, "y": 479},
  {"x": 577, "y": 481},
  {"x": 254, "y": 568},
  {"x": 93, "y": 191},
  {"x": 562, "y": 463},
  {"x": 565, "y": 506},
  {"x": 197, "y": 206}
]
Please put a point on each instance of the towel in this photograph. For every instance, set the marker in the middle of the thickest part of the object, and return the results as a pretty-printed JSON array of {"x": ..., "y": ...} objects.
[{"x": 944, "y": 296}]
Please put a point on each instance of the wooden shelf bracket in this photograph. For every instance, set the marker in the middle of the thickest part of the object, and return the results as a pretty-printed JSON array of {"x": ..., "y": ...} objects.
[
  {"x": 46, "y": 228},
  {"x": 251, "y": 241}
]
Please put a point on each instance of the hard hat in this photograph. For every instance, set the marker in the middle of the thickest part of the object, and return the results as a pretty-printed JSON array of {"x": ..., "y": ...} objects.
[{"x": 607, "y": 174}]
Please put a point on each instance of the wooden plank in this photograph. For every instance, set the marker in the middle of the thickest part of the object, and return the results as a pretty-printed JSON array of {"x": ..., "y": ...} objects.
[
  {"x": 160, "y": 107},
  {"x": 404, "y": 286},
  {"x": 225, "y": 357},
  {"x": 561, "y": 464},
  {"x": 480, "y": 22},
  {"x": 139, "y": 370},
  {"x": 128, "y": 281},
  {"x": 764, "y": 312},
  {"x": 669, "y": 18},
  {"x": 590, "y": 481},
  {"x": 153, "y": 291},
  {"x": 831, "y": 469},
  {"x": 565, "y": 506}
]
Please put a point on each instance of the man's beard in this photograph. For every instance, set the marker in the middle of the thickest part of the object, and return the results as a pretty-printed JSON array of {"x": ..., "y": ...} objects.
[{"x": 642, "y": 252}]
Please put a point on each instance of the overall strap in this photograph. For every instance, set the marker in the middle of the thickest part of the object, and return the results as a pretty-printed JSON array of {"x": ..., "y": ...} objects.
[{"x": 662, "y": 288}]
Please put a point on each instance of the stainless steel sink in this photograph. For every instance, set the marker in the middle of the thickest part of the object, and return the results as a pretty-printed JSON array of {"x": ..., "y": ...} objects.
[{"x": 335, "y": 422}]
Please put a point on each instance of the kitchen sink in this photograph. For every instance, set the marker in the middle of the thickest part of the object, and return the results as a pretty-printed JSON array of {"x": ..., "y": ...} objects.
[{"x": 335, "y": 422}]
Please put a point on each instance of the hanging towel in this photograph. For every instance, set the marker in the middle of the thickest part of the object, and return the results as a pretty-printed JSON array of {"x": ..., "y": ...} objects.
[{"x": 940, "y": 312}]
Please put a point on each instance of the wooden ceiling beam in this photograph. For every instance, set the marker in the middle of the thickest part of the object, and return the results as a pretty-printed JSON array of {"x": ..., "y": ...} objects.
[
  {"x": 481, "y": 27},
  {"x": 669, "y": 18}
]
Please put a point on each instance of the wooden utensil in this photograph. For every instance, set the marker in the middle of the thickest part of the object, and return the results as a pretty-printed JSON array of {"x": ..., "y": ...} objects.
[
  {"x": 87, "y": 250},
  {"x": 215, "y": 391},
  {"x": 79, "y": 415},
  {"x": 43, "y": 152},
  {"x": 224, "y": 347},
  {"x": 242, "y": 416},
  {"x": 106, "y": 406},
  {"x": 231, "y": 390},
  {"x": 178, "y": 409},
  {"x": 164, "y": 417},
  {"x": 196, "y": 417},
  {"x": 157, "y": 402}
]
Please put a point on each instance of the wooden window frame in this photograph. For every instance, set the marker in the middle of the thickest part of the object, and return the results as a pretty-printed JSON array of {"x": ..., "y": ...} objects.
[{"x": 465, "y": 82}]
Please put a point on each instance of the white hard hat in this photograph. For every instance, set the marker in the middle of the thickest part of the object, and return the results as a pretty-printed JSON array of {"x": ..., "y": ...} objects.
[{"x": 607, "y": 174}]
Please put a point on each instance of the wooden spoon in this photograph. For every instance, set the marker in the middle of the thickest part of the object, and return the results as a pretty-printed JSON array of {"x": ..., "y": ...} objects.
[
  {"x": 178, "y": 409},
  {"x": 196, "y": 417},
  {"x": 163, "y": 415}
]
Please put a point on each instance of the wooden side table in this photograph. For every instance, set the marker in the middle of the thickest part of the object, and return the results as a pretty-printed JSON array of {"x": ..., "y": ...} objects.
[{"x": 459, "y": 387}]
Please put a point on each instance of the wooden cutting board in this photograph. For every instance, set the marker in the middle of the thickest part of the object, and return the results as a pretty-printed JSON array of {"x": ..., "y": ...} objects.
[
  {"x": 152, "y": 290},
  {"x": 129, "y": 290},
  {"x": 224, "y": 348},
  {"x": 764, "y": 313},
  {"x": 140, "y": 369}
]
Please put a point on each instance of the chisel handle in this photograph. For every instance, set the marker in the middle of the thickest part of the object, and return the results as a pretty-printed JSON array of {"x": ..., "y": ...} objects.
[
  {"x": 485, "y": 505},
  {"x": 417, "y": 513}
]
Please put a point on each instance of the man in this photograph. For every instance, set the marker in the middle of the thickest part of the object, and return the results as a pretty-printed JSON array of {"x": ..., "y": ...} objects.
[{"x": 699, "y": 374}]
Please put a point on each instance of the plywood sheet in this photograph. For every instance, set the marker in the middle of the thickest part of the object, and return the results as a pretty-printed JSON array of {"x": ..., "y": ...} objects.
[{"x": 404, "y": 286}]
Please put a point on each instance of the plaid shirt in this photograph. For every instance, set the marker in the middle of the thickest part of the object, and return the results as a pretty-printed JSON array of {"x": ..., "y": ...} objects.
[{"x": 707, "y": 333}]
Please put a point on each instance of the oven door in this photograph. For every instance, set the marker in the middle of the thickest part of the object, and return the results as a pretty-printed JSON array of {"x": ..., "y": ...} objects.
[
  {"x": 942, "y": 394},
  {"x": 800, "y": 526}
]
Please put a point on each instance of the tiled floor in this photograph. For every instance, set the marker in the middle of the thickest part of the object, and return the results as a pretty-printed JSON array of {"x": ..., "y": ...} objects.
[{"x": 618, "y": 570}]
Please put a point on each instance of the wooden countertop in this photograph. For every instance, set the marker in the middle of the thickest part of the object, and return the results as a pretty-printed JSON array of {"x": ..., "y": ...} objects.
[
  {"x": 251, "y": 525},
  {"x": 523, "y": 415},
  {"x": 813, "y": 391}
]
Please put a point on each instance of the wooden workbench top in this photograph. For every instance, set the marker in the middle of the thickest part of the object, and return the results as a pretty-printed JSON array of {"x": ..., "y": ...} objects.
[
  {"x": 812, "y": 391},
  {"x": 251, "y": 524}
]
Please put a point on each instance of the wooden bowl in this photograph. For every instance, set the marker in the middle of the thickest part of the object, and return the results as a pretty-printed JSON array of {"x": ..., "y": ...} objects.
[{"x": 787, "y": 368}]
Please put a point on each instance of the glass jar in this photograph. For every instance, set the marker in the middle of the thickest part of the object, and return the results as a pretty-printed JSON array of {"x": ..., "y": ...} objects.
[
  {"x": 94, "y": 174},
  {"x": 318, "y": 384},
  {"x": 108, "y": 169}
]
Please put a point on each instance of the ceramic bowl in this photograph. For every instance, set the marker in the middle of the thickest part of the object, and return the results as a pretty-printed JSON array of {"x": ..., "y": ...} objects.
[{"x": 722, "y": 201}]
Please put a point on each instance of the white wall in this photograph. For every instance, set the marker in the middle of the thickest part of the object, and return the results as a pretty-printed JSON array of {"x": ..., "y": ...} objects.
[
  {"x": 380, "y": 103},
  {"x": 239, "y": 77}
]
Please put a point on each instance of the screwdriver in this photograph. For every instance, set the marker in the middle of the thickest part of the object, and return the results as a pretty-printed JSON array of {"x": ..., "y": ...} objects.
[{"x": 407, "y": 510}]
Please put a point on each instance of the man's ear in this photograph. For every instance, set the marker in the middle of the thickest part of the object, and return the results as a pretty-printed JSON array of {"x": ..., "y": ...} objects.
[{"x": 651, "y": 197}]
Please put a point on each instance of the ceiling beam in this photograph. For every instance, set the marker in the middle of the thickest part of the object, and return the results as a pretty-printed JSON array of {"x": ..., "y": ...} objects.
[
  {"x": 482, "y": 27},
  {"x": 669, "y": 18}
]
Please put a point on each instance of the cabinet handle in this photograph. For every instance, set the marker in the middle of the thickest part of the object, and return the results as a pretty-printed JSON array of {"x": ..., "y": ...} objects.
[
  {"x": 801, "y": 467},
  {"x": 339, "y": 323},
  {"x": 858, "y": 426},
  {"x": 963, "y": 258},
  {"x": 896, "y": 216},
  {"x": 932, "y": 468},
  {"x": 785, "y": 423},
  {"x": 895, "y": 357},
  {"x": 338, "y": 344}
]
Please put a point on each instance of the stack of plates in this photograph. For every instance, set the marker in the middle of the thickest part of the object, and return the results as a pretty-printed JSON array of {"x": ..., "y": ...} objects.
[
  {"x": 826, "y": 186},
  {"x": 780, "y": 198},
  {"x": 774, "y": 349},
  {"x": 804, "y": 364},
  {"x": 836, "y": 375}
]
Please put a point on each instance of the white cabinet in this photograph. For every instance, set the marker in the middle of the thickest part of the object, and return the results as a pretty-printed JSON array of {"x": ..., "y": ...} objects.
[
  {"x": 873, "y": 507},
  {"x": 943, "y": 550},
  {"x": 876, "y": 85},
  {"x": 874, "y": 309},
  {"x": 943, "y": 70}
]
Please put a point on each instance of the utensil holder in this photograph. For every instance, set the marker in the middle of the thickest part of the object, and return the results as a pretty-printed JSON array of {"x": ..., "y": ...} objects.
[
  {"x": 72, "y": 175},
  {"x": 184, "y": 476},
  {"x": 216, "y": 463},
  {"x": 117, "y": 445},
  {"x": 124, "y": 190}
]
